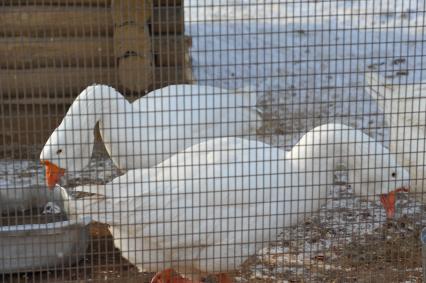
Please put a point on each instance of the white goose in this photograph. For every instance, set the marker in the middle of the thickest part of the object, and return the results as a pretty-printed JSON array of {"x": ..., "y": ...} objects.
[
  {"x": 149, "y": 130},
  {"x": 404, "y": 107},
  {"x": 208, "y": 208}
]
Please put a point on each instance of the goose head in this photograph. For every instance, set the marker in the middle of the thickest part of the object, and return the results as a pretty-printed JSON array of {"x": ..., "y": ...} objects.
[
  {"x": 68, "y": 148},
  {"x": 373, "y": 171},
  {"x": 378, "y": 176}
]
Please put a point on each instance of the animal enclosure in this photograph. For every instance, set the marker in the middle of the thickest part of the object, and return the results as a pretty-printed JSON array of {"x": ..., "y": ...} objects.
[{"x": 212, "y": 141}]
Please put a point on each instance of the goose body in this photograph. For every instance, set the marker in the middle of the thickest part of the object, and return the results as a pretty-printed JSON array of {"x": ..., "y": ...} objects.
[
  {"x": 149, "y": 130},
  {"x": 206, "y": 209},
  {"x": 404, "y": 107}
]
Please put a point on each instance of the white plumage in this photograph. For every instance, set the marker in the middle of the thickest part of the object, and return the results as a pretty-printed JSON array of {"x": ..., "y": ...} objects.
[
  {"x": 149, "y": 130},
  {"x": 208, "y": 208},
  {"x": 404, "y": 106}
]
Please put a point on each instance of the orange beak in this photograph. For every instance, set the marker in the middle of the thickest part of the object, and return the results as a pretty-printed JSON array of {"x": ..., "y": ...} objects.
[
  {"x": 53, "y": 174},
  {"x": 388, "y": 201}
]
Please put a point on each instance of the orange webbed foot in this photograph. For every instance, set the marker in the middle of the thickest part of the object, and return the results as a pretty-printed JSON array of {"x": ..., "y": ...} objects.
[
  {"x": 168, "y": 276},
  {"x": 224, "y": 278}
]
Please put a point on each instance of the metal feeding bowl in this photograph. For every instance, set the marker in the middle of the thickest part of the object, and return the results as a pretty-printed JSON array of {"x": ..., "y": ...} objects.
[{"x": 40, "y": 246}]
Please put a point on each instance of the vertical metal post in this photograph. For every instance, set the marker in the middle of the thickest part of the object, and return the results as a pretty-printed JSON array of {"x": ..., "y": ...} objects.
[{"x": 423, "y": 239}]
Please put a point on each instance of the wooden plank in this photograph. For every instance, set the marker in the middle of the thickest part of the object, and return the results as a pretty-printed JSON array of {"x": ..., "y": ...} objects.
[
  {"x": 26, "y": 52},
  {"x": 37, "y": 100},
  {"x": 171, "y": 50},
  {"x": 167, "y": 20},
  {"x": 173, "y": 58},
  {"x": 53, "y": 81},
  {"x": 187, "y": 74},
  {"x": 164, "y": 76},
  {"x": 78, "y": 21},
  {"x": 169, "y": 3},
  {"x": 55, "y": 21},
  {"x": 135, "y": 73},
  {"x": 23, "y": 133},
  {"x": 96, "y": 3},
  {"x": 61, "y": 82},
  {"x": 132, "y": 39},
  {"x": 131, "y": 12}
]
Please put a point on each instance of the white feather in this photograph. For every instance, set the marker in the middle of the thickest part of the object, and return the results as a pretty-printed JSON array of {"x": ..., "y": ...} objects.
[
  {"x": 208, "y": 208},
  {"x": 151, "y": 129},
  {"x": 404, "y": 106}
]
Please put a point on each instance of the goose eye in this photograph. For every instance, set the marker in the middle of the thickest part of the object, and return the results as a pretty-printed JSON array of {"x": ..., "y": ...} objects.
[
  {"x": 394, "y": 174},
  {"x": 59, "y": 151}
]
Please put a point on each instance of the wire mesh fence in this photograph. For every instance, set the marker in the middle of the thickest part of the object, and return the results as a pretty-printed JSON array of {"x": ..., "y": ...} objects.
[{"x": 212, "y": 141}]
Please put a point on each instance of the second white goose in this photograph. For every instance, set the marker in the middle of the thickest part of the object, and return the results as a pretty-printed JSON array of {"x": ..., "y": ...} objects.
[
  {"x": 149, "y": 130},
  {"x": 404, "y": 106},
  {"x": 208, "y": 208}
]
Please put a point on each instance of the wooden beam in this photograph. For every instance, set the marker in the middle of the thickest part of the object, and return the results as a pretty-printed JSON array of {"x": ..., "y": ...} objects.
[
  {"x": 55, "y": 21},
  {"x": 131, "y": 12},
  {"x": 63, "y": 82},
  {"x": 164, "y": 76},
  {"x": 167, "y": 20},
  {"x": 96, "y": 3},
  {"x": 78, "y": 21},
  {"x": 135, "y": 73},
  {"x": 37, "y": 101},
  {"x": 53, "y": 81},
  {"x": 28, "y": 52},
  {"x": 169, "y": 50},
  {"x": 132, "y": 39},
  {"x": 24, "y": 133},
  {"x": 170, "y": 3}
]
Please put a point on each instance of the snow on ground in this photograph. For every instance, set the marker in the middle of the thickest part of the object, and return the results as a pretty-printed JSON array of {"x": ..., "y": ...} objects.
[{"x": 307, "y": 61}]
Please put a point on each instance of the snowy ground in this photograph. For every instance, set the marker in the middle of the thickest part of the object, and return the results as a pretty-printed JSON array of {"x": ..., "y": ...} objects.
[{"x": 306, "y": 60}]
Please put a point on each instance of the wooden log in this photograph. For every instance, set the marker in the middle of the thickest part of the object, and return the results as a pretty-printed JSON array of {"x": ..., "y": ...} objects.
[
  {"x": 54, "y": 81},
  {"x": 131, "y": 12},
  {"x": 63, "y": 82},
  {"x": 135, "y": 73},
  {"x": 132, "y": 39},
  {"x": 169, "y": 50},
  {"x": 132, "y": 45},
  {"x": 78, "y": 21},
  {"x": 24, "y": 132},
  {"x": 26, "y": 52},
  {"x": 96, "y": 3},
  {"x": 173, "y": 58},
  {"x": 187, "y": 74},
  {"x": 167, "y": 20},
  {"x": 37, "y": 100},
  {"x": 55, "y": 21},
  {"x": 165, "y": 76},
  {"x": 169, "y": 3}
]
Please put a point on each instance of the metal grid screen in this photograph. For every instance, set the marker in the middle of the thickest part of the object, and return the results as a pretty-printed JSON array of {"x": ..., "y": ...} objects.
[{"x": 212, "y": 141}]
